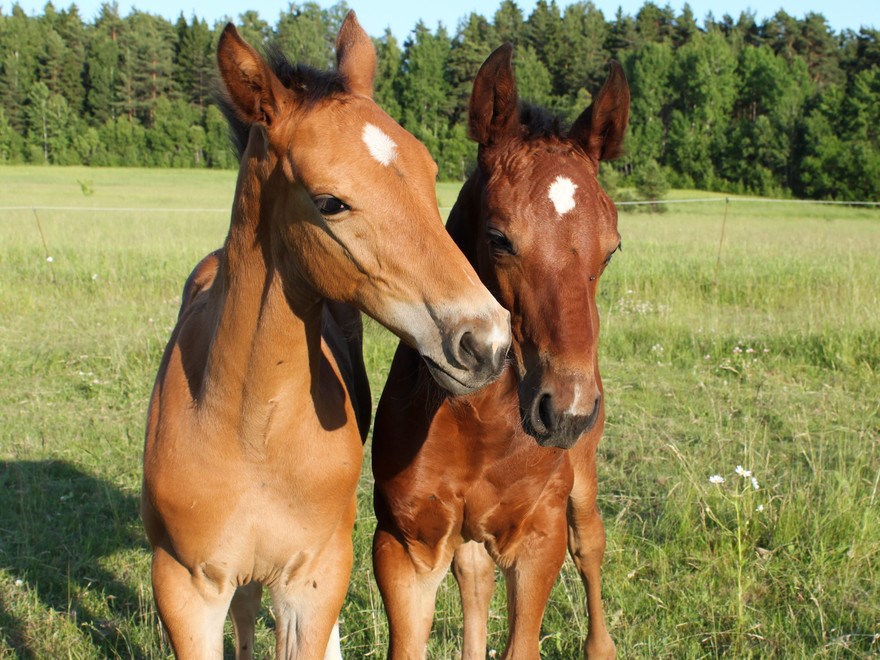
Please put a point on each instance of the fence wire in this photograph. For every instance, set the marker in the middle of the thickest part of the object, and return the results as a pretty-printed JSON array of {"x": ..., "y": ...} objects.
[{"x": 699, "y": 200}]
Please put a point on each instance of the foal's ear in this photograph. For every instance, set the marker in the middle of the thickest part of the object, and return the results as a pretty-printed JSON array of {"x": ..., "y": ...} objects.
[
  {"x": 355, "y": 56},
  {"x": 601, "y": 127},
  {"x": 256, "y": 93},
  {"x": 493, "y": 110}
]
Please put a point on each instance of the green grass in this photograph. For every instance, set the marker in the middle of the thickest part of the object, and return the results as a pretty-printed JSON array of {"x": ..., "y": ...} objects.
[{"x": 770, "y": 361}]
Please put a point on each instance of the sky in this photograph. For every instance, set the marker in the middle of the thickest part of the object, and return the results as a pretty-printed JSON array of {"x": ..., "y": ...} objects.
[{"x": 401, "y": 17}]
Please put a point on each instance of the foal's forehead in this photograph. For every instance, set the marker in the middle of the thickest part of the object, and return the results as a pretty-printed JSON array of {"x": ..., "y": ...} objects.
[
  {"x": 359, "y": 127},
  {"x": 553, "y": 176}
]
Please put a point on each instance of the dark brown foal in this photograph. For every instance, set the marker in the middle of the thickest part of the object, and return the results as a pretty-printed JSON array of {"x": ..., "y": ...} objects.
[{"x": 507, "y": 476}]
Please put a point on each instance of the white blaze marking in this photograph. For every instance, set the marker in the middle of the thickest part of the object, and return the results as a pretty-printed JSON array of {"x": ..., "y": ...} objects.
[
  {"x": 561, "y": 193},
  {"x": 381, "y": 147}
]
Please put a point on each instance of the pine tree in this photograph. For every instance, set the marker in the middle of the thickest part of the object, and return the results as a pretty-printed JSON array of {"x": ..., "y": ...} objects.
[
  {"x": 584, "y": 33},
  {"x": 254, "y": 29},
  {"x": 194, "y": 62},
  {"x": 533, "y": 81},
  {"x": 387, "y": 69},
  {"x": 424, "y": 90},
  {"x": 473, "y": 42},
  {"x": 508, "y": 23},
  {"x": 70, "y": 28},
  {"x": 303, "y": 33}
]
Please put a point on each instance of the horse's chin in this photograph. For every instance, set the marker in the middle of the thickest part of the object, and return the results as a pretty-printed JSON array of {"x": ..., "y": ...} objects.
[{"x": 448, "y": 381}]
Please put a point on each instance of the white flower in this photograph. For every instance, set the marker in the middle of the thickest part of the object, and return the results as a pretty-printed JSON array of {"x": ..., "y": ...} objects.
[
  {"x": 716, "y": 479},
  {"x": 743, "y": 472},
  {"x": 94, "y": 276},
  {"x": 759, "y": 508},
  {"x": 737, "y": 349},
  {"x": 49, "y": 259},
  {"x": 754, "y": 483},
  {"x": 19, "y": 582},
  {"x": 707, "y": 357}
]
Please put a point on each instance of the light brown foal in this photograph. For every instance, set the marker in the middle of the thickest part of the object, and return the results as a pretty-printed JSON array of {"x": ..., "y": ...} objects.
[
  {"x": 255, "y": 427},
  {"x": 507, "y": 475}
]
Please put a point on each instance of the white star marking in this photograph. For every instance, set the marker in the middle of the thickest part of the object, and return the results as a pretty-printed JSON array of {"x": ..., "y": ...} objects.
[
  {"x": 561, "y": 193},
  {"x": 381, "y": 147}
]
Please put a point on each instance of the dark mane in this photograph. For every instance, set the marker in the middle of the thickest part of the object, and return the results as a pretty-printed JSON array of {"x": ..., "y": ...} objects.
[
  {"x": 540, "y": 122},
  {"x": 310, "y": 85}
]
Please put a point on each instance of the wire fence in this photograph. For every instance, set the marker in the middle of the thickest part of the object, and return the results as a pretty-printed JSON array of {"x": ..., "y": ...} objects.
[
  {"x": 728, "y": 200},
  {"x": 698, "y": 200}
]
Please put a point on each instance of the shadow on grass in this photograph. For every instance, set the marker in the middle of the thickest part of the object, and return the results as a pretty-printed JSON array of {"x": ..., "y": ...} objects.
[{"x": 59, "y": 528}]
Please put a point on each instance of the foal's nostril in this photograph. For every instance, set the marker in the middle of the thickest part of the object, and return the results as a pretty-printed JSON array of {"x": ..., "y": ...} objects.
[
  {"x": 546, "y": 416},
  {"x": 478, "y": 354},
  {"x": 468, "y": 346},
  {"x": 468, "y": 351}
]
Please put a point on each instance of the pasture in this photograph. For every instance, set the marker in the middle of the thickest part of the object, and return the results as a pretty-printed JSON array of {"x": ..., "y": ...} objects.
[{"x": 771, "y": 361}]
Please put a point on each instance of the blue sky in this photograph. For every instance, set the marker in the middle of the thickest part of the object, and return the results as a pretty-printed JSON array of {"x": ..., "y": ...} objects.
[{"x": 376, "y": 15}]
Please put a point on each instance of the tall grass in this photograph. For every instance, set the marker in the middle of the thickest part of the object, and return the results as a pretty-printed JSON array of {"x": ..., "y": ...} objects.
[{"x": 769, "y": 362}]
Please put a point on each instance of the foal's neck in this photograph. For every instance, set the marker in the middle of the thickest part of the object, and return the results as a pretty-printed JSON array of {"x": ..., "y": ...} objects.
[{"x": 263, "y": 338}]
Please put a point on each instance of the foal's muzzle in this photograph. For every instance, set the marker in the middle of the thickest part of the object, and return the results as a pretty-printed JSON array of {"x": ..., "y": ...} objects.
[
  {"x": 473, "y": 355},
  {"x": 551, "y": 427}
]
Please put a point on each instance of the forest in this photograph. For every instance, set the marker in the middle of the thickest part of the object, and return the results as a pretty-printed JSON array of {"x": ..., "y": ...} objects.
[{"x": 781, "y": 106}]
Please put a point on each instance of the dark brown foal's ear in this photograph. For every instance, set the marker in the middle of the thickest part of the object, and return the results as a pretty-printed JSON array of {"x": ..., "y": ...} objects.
[
  {"x": 355, "y": 56},
  {"x": 256, "y": 93},
  {"x": 493, "y": 110},
  {"x": 601, "y": 127}
]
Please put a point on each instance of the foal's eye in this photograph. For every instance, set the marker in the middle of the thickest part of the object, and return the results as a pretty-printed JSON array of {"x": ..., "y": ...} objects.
[
  {"x": 611, "y": 254},
  {"x": 499, "y": 242},
  {"x": 330, "y": 205}
]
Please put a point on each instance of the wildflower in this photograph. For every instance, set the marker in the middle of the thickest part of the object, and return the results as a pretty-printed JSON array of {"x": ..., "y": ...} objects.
[
  {"x": 707, "y": 357},
  {"x": 19, "y": 582},
  {"x": 766, "y": 350},
  {"x": 743, "y": 472},
  {"x": 49, "y": 259},
  {"x": 754, "y": 483},
  {"x": 493, "y": 653},
  {"x": 94, "y": 276},
  {"x": 750, "y": 350},
  {"x": 737, "y": 349},
  {"x": 716, "y": 479},
  {"x": 759, "y": 508}
]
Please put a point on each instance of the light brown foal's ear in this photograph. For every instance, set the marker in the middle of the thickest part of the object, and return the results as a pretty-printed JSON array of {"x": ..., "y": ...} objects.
[
  {"x": 256, "y": 93},
  {"x": 355, "y": 56},
  {"x": 494, "y": 113},
  {"x": 601, "y": 127}
]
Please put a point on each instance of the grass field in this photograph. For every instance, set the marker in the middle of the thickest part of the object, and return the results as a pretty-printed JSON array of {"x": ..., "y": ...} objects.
[{"x": 771, "y": 361}]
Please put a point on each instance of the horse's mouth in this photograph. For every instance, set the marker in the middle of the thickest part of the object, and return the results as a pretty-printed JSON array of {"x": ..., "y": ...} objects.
[{"x": 447, "y": 380}]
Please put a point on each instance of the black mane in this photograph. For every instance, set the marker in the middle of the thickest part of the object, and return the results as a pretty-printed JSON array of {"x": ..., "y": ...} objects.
[
  {"x": 310, "y": 85},
  {"x": 540, "y": 123}
]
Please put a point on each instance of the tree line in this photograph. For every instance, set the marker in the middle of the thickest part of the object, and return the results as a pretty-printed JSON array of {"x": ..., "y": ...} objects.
[{"x": 780, "y": 106}]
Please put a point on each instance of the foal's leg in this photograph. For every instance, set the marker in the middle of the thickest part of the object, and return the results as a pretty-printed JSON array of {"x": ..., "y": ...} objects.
[
  {"x": 243, "y": 611},
  {"x": 586, "y": 543},
  {"x": 192, "y": 609},
  {"x": 529, "y": 581},
  {"x": 474, "y": 571},
  {"x": 307, "y": 603},
  {"x": 409, "y": 595}
]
